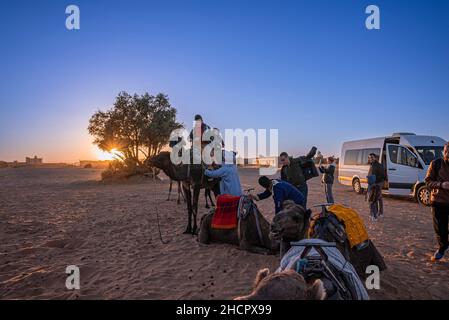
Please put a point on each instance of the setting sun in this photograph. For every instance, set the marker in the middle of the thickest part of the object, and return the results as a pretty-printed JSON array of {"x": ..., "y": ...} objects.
[{"x": 104, "y": 155}]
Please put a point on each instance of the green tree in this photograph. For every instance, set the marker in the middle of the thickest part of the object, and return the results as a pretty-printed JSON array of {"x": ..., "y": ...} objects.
[{"x": 137, "y": 127}]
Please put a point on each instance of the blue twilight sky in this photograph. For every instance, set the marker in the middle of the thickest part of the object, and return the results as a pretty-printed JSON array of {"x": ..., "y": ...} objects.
[{"x": 309, "y": 68}]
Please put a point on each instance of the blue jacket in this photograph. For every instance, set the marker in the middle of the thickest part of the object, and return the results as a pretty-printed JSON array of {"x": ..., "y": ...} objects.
[
  {"x": 230, "y": 181},
  {"x": 283, "y": 191}
]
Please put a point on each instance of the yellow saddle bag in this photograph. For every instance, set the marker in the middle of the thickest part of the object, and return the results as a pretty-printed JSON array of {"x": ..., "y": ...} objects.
[{"x": 354, "y": 226}]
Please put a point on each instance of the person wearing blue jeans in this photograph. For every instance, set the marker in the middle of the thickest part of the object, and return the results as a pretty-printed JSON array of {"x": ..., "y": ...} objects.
[
  {"x": 376, "y": 170},
  {"x": 328, "y": 179}
]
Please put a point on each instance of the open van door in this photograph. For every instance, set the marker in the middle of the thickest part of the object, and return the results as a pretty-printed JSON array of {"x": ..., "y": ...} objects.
[{"x": 402, "y": 169}]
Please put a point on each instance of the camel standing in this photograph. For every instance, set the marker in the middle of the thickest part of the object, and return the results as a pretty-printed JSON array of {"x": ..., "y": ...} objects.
[
  {"x": 207, "y": 194},
  {"x": 193, "y": 180},
  {"x": 180, "y": 194}
]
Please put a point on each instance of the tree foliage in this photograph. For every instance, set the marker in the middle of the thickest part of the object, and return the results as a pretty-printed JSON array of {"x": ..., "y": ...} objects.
[{"x": 137, "y": 126}]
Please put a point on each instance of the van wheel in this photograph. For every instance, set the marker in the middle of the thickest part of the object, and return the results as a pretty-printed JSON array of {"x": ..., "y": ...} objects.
[
  {"x": 423, "y": 196},
  {"x": 356, "y": 185}
]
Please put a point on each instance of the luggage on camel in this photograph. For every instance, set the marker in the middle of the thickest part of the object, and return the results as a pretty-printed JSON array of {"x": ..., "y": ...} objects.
[
  {"x": 354, "y": 226},
  {"x": 343, "y": 225},
  {"x": 318, "y": 259}
]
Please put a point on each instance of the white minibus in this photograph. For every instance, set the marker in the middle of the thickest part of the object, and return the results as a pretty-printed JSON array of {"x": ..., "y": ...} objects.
[{"x": 405, "y": 156}]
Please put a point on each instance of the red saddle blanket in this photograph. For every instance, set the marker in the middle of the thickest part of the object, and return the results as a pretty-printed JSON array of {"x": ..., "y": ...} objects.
[{"x": 225, "y": 216}]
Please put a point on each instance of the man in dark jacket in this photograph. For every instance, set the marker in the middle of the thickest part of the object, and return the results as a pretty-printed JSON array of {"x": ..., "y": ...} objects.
[
  {"x": 281, "y": 191},
  {"x": 437, "y": 180},
  {"x": 375, "y": 197},
  {"x": 292, "y": 171},
  {"x": 328, "y": 178}
]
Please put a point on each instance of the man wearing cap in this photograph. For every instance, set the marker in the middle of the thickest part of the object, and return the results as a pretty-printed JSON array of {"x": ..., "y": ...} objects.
[{"x": 281, "y": 191}]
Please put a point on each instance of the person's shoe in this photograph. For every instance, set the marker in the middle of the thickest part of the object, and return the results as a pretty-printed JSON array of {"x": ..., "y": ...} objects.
[
  {"x": 438, "y": 255},
  {"x": 380, "y": 215}
]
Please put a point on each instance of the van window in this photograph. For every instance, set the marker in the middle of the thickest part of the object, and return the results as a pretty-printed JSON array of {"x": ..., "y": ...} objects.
[
  {"x": 359, "y": 157},
  {"x": 408, "y": 158},
  {"x": 393, "y": 151},
  {"x": 428, "y": 154},
  {"x": 351, "y": 157},
  {"x": 366, "y": 153}
]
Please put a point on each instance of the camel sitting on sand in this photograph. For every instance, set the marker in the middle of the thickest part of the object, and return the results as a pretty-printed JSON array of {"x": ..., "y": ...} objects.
[
  {"x": 285, "y": 228},
  {"x": 285, "y": 285},
  {"x": 248, "y": 237}
]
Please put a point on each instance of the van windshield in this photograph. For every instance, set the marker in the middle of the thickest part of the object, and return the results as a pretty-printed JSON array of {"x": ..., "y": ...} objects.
[{"x": 428, "y": 154}]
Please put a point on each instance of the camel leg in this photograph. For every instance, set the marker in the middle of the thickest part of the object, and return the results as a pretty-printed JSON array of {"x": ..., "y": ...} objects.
[
  {"x": 211, "y": 200},
  {"x": 207, "y": 193},
  {"x": 179, "y": 193},
  {"x": 169, "y": 190},
  {"x": 188, "y": 194},
  {"x": 204, "y": 236},
  {"x": 196, "y": 196}
]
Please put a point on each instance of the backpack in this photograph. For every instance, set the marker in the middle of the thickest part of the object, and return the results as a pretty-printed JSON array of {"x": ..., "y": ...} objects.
[{"x": 309, "y": 170}]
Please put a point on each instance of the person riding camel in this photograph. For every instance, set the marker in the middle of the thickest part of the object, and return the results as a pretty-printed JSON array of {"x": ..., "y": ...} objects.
[
  {"x": 196, "y": 134},
  {"x": 281, "y": 191},
  {"x": 200, "y": 136}
]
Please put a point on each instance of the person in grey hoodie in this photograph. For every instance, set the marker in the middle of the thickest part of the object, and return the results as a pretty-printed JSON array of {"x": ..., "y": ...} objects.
[{"x": 328, "y": 178}]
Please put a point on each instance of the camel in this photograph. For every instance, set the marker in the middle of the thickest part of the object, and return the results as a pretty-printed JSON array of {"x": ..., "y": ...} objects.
[
  {"x": 285, "y": 285},
  {"x": 285, "y": 228},
  {"x": 207, "y": 195},
  {"x": 289, "y": 225},
  {"x": 180, "y": 194},
  {"x": 192, "y": 179},
  {"x": 248, "y": 239}
]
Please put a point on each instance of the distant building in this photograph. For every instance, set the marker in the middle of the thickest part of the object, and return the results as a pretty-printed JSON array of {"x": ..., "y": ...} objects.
[
  {"x": 267, "y": 161},
  {"x": 258, "y": 162},
  {"x": 33, "y": 161}
]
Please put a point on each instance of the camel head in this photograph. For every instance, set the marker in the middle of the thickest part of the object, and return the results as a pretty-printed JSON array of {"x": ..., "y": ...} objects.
[
  {"x": 291, "y": 223},
  {"x": 285, "y": 285},
  {"x": 161, "y": 160}
]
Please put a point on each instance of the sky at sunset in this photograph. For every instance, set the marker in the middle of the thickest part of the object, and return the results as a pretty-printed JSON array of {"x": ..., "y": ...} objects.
[{"x": 308, "y": 68}]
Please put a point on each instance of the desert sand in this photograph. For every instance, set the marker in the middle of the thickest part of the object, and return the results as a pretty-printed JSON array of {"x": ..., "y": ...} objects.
[{"x": 52, "y": 218}]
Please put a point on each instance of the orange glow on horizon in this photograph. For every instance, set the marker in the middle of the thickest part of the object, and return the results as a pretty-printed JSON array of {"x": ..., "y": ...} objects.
[{"x": 105, "y": 155}]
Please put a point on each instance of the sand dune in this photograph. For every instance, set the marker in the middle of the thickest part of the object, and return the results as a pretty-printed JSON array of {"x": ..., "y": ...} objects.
[{"x": 52, "y": 218}]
